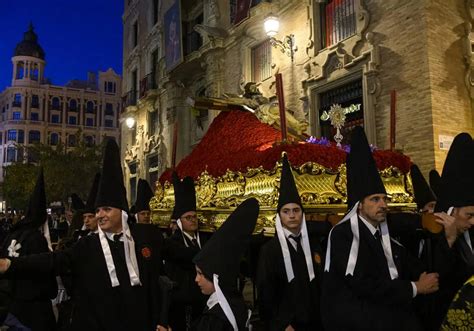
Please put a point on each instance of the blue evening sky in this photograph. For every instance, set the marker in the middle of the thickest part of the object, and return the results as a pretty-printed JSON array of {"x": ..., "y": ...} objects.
[{"x": 77, "y": 36}]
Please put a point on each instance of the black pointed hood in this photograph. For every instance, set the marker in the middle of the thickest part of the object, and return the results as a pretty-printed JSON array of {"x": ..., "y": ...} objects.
[
  {"x": 36, "y": 213},
  {"x": 363, "y": 178},
  {"x": 222, "y": 253},
  {"x": 90, "y": 204},
  {"x": 144, "y": 194},
  {"x": 76, "y": 203},
  {"x": 184, "y": 196},
  {"x": 288, "y": 192},
  {"x": 435, "y": 182},
  {"x": 421, "y": 189},
  {"x": 111, "y": 191},
  {"x": 457, "y": 178}
]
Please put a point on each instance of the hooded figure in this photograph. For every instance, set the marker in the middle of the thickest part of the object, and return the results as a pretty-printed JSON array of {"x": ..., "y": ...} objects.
[
  {"x": 369, "y": 277},
  {"x": 142, "y": 203},
  {"x": 88, "y": 219},
  {"x": 289, "y": 269},
  {"x": 424, "y": 196},
  {"x": 32, "y": 298},
  {"x": 187, "y": 300},
  {"x": 114, "y": 272},
  {"x": 218, "y": 266},
  {"x": 435, "y": 179},
  {"x": 456, "y": 199}
]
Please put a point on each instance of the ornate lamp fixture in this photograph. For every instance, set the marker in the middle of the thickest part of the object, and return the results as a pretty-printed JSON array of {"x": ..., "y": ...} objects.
[
  {"x": 130, "y": 122},
  {"x": 287, "y": 45}
]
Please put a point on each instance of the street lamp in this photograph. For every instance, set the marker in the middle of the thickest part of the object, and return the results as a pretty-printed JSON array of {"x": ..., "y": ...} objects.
[
  {"x": 288, "y": 45},
  {"x": 130, "y": 122}
]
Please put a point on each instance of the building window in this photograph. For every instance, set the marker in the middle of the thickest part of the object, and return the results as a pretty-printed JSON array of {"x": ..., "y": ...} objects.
[
  {"x": 34, "y": 137},
  {"x": 262, "y": 61},
  {"x": 90, "y": 107},
  {"x": 338, "y": 21},
  {"x": 72, "y": 120},
  {"x": 54, "y": 139},
  {"x": 89, "y": 121},
  {"x": 17, "y": 100},
  {"x": 109, "y": 109},
  {"x": 16, "y": 115},
  {"x": 11, "y": 154},
  {"x": 350, "y": 97},
  {"x": 20, "y": 70},
  {"x": 1, "y": 138},
  {"x": 71, "y": 140},
  {"x": 34, "y": 101},
  {"x": 135, "y": 34},
  {"x": 21, "y": 137},
  {"x": 11, "y": 135},
  {"x": 73, "y": 105},
  {"x": 55, "y": 104},
  {"x": 152, "y": 122},
  {"x": 109, "y": 123},
  {"x": 109, "y": 87},
  {"x": 34, "y": 116},
  {"x": 55, "y": 118}
]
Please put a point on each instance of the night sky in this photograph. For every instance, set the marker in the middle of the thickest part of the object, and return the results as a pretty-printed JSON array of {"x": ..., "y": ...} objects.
[{"x": 77, "y": 36}]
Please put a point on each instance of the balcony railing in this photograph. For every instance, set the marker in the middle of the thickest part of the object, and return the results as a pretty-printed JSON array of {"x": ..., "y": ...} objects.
[
  {"x": 16, "y": 104},
  {"x": 148, "y": 83},
  {"x": 129, "y": 99}
]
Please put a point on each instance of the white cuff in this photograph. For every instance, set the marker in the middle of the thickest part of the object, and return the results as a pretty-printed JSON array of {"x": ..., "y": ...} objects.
[{"x": 415, "y": 291}]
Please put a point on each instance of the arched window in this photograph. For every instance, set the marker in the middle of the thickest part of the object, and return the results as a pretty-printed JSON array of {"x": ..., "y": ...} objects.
[
  {"x": 90, "y": 107},
  {"x": 55, "y": 103},
  {"x": 11, "y": 154},
  {"x": 34, "y": 137},
  {"x": 34, "y": 72},
  {"x": 73, "y": 105},
  {"x": 20, "y": 70},
  {"x": 71, "y": 140},
  {"x": 54, "y": 139}
]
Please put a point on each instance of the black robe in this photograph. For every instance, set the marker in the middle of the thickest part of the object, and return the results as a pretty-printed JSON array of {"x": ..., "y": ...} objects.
[
  {"x": 369, "y": 299},
  {"x": 187, "y": 295},
  {"x": 282, "y": 303},
  {"x": 214, "y": 319},
  {"x": 31, "y": 298},
  {"x": 98, "y": 305}
]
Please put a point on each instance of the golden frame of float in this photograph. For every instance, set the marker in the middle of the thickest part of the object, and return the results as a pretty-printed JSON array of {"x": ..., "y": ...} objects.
[{"x": 322, "y": 191}]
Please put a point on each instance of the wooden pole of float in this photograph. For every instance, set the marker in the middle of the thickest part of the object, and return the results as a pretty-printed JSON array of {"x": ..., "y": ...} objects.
[
  {"x": 281, "y": 105},
  {"x": 393, "y": 118}
]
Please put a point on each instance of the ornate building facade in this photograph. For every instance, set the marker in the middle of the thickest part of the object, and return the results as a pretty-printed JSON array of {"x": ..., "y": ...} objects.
[
  {"x": 35, "y": 111},
  {"x": 395, "y": 69}
]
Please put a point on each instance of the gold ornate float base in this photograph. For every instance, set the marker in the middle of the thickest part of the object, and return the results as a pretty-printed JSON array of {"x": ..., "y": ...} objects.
[{"x": 322, "y": 190}]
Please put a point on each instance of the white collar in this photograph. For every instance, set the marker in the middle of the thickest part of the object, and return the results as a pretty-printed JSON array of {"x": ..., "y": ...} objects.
[
  {"x": 212, "y": 301},
  {"x": 371, "y": 228},
  {"x": 189, "y": 236},
  {"x": 110, "y": 235},
  {"x": 288, "y": 233}
]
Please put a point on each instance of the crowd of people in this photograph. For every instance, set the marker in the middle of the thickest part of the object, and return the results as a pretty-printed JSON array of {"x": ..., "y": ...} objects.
[{"x": 373, "y": 270}]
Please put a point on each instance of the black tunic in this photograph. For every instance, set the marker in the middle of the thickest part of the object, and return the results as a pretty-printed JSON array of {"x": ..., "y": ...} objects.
[
  {"x": 214, "y": 319},
  {"x": 282, "y": 303},
  {"x": 187, "y": 298},
  {"x": 370, "y": 299},
  {"x": 98, "y": 305},
  {"x": 32, "y": 297}
]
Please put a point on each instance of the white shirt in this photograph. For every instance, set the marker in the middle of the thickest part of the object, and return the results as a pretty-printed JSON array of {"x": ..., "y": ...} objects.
[
  {"x": 288, "y": 235},
  {"x": 212, "y": 301},
  {"x": 111, "y": 235},
  {"x": 372, "y": 230},
  {"x": 191, "y": 237}
]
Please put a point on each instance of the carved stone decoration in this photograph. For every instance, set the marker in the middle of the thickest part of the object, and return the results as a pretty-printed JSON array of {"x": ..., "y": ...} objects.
[{"x": 468, "y": 45}]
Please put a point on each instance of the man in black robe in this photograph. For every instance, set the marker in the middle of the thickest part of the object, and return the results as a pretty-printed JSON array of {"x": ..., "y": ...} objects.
[
  {"x": 289, "y": 271},
  {"x": 31, "y": 303},
  {"x": 370, "y": 279},
  {"x": 114, "y": 272},
  {"x": 142, "y": 202},
  {"x": 187, "y": 300},
  {"x": 217, "y": 268},
  {"x": 455, "y": 211}
]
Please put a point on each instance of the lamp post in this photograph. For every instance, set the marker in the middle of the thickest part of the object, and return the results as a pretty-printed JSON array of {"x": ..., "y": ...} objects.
[{"x": 288, "y": 45}]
